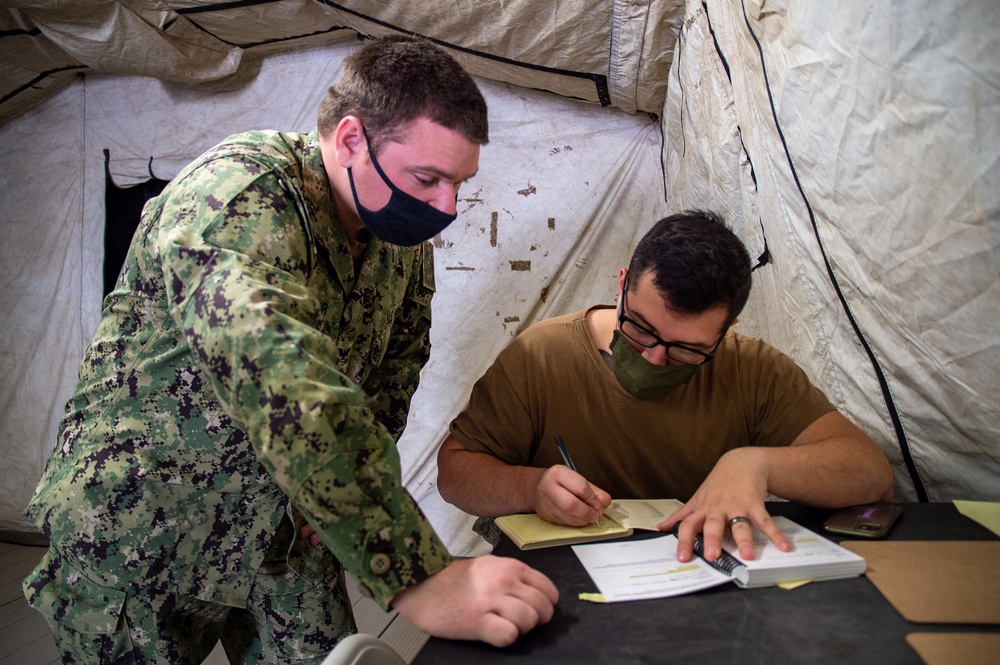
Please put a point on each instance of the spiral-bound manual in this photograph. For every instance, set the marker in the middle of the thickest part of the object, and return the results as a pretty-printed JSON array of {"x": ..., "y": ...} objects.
[
  {"x": 812, "y": 558},
  {"x": 640, "y": 569}
]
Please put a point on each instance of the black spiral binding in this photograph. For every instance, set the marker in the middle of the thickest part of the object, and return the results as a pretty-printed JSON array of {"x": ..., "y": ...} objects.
[{"x": 726, "y": 562}]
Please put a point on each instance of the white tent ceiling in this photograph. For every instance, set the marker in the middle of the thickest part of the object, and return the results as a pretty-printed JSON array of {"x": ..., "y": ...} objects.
[{"x": 614, "y": 53}]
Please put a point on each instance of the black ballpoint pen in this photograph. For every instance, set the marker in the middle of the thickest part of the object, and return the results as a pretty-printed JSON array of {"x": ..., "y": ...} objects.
[{"x": 569, "y": 463}]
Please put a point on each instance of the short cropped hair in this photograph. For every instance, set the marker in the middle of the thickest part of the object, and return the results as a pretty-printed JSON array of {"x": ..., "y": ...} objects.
[
  {"x": 697, "y": 263},
  {"x": 393, "y": 80}
]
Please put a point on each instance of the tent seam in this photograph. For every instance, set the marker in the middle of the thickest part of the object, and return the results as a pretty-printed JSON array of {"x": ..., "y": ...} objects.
[
  {"x": 600, "y": 80},
  {"x": 891, "y": 409},
  {"x": 765, "y": 256}
]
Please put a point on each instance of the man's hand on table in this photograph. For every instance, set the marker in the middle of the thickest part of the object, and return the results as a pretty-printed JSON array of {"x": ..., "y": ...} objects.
[
  {"x": 492, "y": 599},
  {"x": 489, "y": 598},
  {"x": 736, "y": 487}
]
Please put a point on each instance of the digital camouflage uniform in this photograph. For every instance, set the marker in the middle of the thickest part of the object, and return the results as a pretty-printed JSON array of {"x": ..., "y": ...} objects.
[{"x": 240, "y": 363}]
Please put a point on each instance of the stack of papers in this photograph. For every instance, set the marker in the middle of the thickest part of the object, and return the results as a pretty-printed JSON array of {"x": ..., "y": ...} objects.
[{"x": 637, "y": 570}]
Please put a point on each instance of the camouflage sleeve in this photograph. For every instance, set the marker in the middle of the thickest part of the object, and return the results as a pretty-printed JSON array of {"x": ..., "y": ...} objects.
[
  {"x": 235, "y": 263},
  {"x": 392, "y": 384}
]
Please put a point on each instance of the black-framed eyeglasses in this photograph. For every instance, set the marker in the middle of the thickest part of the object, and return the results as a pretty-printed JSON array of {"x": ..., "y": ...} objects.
[{"x": 648, "y": 339}]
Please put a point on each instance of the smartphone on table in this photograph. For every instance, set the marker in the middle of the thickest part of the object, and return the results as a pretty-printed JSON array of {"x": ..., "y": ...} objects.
[{"x": 870, "y": 520}]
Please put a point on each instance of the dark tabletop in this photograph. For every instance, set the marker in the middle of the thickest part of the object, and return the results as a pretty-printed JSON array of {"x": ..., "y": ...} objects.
[{"x": 838, "y": 621}]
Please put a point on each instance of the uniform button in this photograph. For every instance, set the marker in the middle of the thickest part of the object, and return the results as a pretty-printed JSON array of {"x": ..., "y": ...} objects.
[{"x": 380, "y": 564}]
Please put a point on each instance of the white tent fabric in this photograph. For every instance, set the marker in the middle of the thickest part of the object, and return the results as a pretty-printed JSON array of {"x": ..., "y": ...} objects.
[
  {"x": 614, "y": 52},
  {"x": 562, "y": 191},
  {"x": 46, "y": 261},
  {"x": 862, "y": 140},
  {"x": 855, "y": 146}
]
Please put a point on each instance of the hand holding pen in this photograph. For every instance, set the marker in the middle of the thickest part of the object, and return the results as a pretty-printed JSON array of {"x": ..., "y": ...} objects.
[{"x": 596, "y": 495}]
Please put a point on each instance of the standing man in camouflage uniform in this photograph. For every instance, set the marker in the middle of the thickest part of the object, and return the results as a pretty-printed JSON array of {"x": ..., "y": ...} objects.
[{"x": 249, "y": 379}]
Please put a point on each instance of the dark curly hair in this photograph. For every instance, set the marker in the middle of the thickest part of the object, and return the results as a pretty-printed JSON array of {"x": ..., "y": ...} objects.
[{"x": 697, "y": 263}]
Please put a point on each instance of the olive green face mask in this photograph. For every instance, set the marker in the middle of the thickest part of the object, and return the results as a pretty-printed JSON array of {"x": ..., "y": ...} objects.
[{"x": 641, "y": 378}]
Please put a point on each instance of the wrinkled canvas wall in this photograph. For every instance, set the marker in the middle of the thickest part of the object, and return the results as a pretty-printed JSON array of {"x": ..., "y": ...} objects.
[
  {"x": 862, "y": 142},
  {"x": 52, "y": 218},
  {"x": 608, "y": 51},
  {"x": 562, "y": 191},
  {"x": 45, "y": 266}
]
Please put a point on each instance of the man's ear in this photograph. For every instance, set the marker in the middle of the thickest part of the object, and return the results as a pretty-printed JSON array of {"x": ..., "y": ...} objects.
[
  {"x": 621, "y": 283},
  {"x": 349, "y": 141}
]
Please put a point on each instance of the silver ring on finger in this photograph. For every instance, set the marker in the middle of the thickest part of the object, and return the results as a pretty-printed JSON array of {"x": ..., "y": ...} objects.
[{"x": 739, "y": 519}]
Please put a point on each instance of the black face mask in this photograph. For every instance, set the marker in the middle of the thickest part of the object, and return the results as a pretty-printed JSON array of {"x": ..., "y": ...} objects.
[{"x": 404, "y": 220}]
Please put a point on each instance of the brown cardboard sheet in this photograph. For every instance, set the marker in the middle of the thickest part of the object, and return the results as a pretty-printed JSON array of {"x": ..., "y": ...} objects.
[
  {"x": 936, "y": 581},
  {"x": 952, "y": 648}
]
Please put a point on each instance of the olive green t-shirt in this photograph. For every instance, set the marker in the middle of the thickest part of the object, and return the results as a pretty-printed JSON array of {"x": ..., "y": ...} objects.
[{"x": 552, "y": 381}]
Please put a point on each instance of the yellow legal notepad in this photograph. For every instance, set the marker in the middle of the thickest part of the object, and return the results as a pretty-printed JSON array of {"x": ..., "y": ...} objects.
[{"x": 529, "y": 531}]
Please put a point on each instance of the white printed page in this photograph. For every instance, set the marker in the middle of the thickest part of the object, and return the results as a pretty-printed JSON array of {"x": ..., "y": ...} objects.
[
  {"x": 809, "y": 549},
  {"x": 643, "y": 569}
]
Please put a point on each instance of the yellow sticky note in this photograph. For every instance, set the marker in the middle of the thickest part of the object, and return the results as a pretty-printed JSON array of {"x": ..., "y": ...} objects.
[
  {"x": 986, "y": 513},
  {"x": 793, "y": 585},
  {"x": 593, "y": 597}
]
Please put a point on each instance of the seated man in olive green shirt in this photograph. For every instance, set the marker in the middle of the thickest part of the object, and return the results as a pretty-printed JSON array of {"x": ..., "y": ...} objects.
[{"x": 658, "y": 398}]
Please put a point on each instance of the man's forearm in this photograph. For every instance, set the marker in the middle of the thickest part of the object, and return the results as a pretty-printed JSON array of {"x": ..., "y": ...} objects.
[
  {"x": 482, "y": 485},
  {"x": 841, "y": 467},
  {"x": 806, "y": 477}
]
